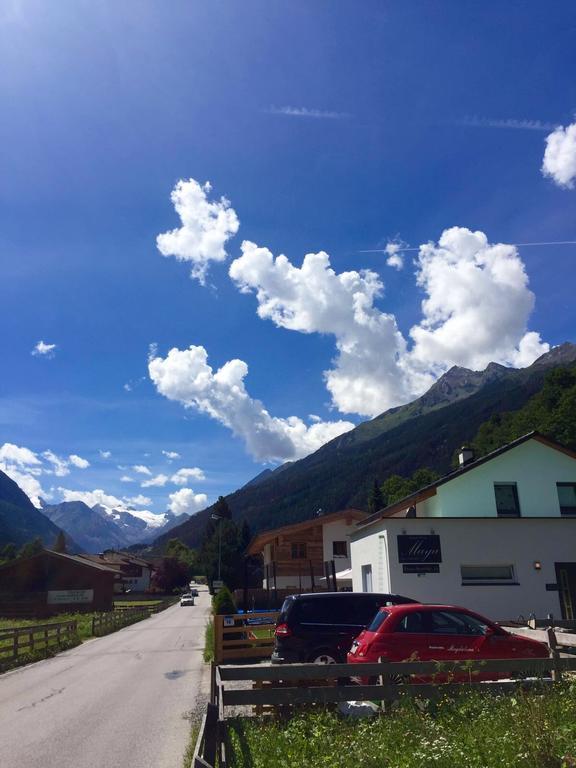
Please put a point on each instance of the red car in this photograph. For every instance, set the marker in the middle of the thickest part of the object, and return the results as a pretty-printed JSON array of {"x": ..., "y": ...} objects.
[{"x": 439, "y": 633}]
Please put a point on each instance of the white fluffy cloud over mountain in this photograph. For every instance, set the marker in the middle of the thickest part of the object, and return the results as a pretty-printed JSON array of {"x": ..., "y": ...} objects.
[
  {"x": 560, "y": 156},
  {"x": 185, "y": 501},
  {"x": 476, "y": 309},
  {"x": 185, "y": 376},
  {"x": 206, "y": 227}
]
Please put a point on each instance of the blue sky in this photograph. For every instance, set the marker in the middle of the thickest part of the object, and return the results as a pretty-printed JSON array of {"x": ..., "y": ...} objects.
[{"x": 333, "y": 127}]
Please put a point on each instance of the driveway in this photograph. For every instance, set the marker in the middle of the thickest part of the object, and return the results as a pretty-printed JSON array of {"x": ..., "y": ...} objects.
[{"x": 122, "y": 700}]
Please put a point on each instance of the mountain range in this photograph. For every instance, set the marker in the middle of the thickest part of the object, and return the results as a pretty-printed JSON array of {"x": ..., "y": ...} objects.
[{"x": 423, "y": 433}]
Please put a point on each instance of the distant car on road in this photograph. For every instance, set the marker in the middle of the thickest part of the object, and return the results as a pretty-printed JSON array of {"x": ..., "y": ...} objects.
[
  {"x": 439, "y": 633},
  {"x": 187, "y": 599},
  {"x": 194, "y": 592}
]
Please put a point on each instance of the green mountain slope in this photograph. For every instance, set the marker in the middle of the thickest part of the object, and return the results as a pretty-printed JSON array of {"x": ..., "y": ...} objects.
[
  {"x": 20, "y": 521},
  {"x": 424, "y": 433}
]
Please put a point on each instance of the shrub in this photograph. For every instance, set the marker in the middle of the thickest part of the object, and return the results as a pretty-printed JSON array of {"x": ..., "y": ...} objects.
[{"x": 223, "y": 602}]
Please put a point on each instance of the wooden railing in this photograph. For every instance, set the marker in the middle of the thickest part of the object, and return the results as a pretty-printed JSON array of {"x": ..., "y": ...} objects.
[
  {"x": 244, "y": 636},
  {"x": 36, "y": 638},
  {"x": 104, "y": 623}
]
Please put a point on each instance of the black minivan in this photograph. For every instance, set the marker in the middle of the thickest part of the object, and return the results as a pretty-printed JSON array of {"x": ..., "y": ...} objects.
[{"x": 319, "y": 627}]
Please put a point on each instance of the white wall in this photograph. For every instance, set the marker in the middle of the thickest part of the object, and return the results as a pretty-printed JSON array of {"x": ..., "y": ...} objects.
[
  {"x": 535, "y": 468},
  {"x": 337, "y": 531},
  {"x": 517, "y": 541}
]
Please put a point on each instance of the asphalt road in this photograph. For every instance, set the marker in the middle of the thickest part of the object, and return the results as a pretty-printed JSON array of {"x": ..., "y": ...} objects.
[{"x": 122, "y": 700}]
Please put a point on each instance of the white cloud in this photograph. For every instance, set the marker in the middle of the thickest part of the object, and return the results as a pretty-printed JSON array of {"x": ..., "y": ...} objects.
[
  {"x": 127, "y": 479},
  {"x": 138, "y": 501},
  {"x": 43, "y": 350},
  {"x": 78, "y": 461},
  {"x": 182, "y": 476},
  {"x": 206, "y": 227},
  {"x": 560, "y": 156},
  {"x": 155, "y": 482},
  {"x": 185, "y": 376},
  {"x": 476, "y": 311},
  {"x": 510, "y": 122},
  {"x": 395, "y": 258},
  {"x": 314, "y": 299},
  {"x": 141, "y": 469},
  {"x": 18, "y": 455},
  {"x": 185, "y": 501},
  {"x": 170, "y": 455},
  {"x": 105, "y": 454},
  {"x": 318, "y": 114},
  {"x": 61, "y": 468},
  {"x": 477, "y": 306}
]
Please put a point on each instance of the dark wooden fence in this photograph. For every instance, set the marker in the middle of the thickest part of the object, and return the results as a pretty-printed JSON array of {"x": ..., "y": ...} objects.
[{"x": 36, "y": 638}]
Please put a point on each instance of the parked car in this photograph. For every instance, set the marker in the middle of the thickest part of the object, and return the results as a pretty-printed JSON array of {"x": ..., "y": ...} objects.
[
  {"x": 187, "y": 599},
  {"x": 440, "y": 633},
  {"x": 319, "y": 627}
]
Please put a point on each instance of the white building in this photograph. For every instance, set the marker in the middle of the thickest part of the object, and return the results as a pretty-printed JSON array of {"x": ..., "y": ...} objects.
[{"x": 497, "y": 535}]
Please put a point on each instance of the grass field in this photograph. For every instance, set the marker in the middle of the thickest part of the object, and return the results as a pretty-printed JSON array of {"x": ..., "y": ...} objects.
[{"x": 474, "y": 730}]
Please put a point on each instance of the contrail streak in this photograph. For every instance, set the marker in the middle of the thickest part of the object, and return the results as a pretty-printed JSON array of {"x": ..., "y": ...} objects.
[{"x": 517, "y": 245}]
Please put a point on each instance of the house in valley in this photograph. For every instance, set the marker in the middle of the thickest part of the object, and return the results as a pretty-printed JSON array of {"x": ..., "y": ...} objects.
[
  {"x": 308, "y": 555},
  {"x": 497, "y": 535},
  {"x": 134, "y": 573}
]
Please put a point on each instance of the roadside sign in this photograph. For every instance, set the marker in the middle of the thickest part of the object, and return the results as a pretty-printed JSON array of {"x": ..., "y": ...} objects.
[
  {"x": 228, "y": 621},
  {"x": 217, "y": 583}
]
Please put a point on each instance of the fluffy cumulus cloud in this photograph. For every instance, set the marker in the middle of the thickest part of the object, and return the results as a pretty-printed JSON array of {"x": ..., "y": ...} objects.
[
  {"x": 138, "y": 501},
  {"x": 476, "y": 309},
  {"x": 158, "y": 481},
  {"x": 60, "y": 466},
  {"x": 185, "y": 376},
  {"x": 91, "y": 498},
  {"x": 141, "y": 469},
  {"x": 182, "y": 476},
  {"x": 78, "y": 461},
  {"x": 394, "y": 257},
  {"x": 19, "y": 455},
  {"x": 105, "y": 454},
  {"x": 560, "y": 156},
  {"x": 170, "y": 455},
  {"x": 206, "y": 227},
  {"x": 313, "y": 298},
  {"x": 41, "y": 349},
  {"x": 185, "y": 501}
]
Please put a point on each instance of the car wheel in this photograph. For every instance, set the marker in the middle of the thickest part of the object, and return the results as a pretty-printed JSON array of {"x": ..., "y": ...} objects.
[{"x": 324, "y": 656}]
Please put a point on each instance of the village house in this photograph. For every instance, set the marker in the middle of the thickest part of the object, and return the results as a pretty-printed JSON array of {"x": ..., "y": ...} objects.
[
  {"x": 308, "y": 555},
  {"x": 497, "y": 535},
  {"x": 134, "y": 573},
  {"x": 54, "y": 582}
]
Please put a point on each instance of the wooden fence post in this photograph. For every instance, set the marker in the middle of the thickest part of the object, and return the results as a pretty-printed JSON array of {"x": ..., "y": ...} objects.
[{"x": 554, "y": 653}]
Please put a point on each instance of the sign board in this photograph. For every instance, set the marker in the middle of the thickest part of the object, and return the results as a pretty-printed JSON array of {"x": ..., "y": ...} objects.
[
  {"x": 419, "y": 549},
  {"x": 65, "y": 596},
  {"x": 228, "y": 621},
  {"x": 552, "y": 588},
  {"x": 217, "y": 583},
  {"x": 421, "y": 568}
]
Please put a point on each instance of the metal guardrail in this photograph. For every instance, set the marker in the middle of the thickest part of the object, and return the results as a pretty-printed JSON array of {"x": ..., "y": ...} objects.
[{"x": 17, "y": 641}]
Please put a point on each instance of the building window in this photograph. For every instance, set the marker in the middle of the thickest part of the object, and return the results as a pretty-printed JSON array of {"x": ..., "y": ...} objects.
[
  {"x": 507, "y": 504},
  {"x": 487, "y": 574},
  {"x": 567, "y": 498},
  {"x": 339, "y": 549},
  {"x": 298, "y": 551}
]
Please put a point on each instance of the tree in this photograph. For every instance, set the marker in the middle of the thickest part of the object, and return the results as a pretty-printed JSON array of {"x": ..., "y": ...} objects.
[
  {"x": 31, "y": 548},
  {"x": 8, "y": 552},
  {"x": 221, "y": 509},
  {"x": 375, "y": 498},
  {"x": 60, "y": 543},
  {"x": 223, "y": 602}
]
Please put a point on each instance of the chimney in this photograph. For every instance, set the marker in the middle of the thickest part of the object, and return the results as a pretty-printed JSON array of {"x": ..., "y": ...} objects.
[{"x": 465, "y": 455}]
